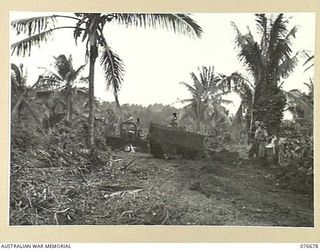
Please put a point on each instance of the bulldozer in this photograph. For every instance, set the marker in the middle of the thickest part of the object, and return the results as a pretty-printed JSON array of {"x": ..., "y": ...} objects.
[
  {"x": 165, "y": 140},
  {"x": 161, "y": 140}
]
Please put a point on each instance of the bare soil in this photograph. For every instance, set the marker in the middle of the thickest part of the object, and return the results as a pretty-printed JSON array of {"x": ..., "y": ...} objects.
[{"x": 138, "y": 189}]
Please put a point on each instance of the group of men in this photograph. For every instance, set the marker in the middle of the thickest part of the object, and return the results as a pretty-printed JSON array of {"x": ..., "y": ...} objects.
[
  {"x": 260, "y": 141},
  {"x": 259, "y": 138}
]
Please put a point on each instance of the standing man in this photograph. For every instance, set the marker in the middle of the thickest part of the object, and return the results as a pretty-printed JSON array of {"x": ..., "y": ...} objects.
[
  {"x": 262, "y": 137},
  {"x": 174, "y": 120},
  {"x": 254, "y": 148}
]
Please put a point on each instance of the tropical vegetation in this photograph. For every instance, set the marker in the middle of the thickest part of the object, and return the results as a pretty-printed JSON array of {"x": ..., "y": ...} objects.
[
  {"x": 269, "y": 60},
  {"x": 90, "y": 28},
  {"x": 205, "y": 105},
  {"x": 60, "y": 156}
]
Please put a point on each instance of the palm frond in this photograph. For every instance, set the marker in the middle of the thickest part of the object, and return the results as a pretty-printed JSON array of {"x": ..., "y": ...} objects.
[
  {"x": 24, "y": 46},
  {"x": 243, "y": 87},
  {"x": 17, "y": 79},
  {"x": 309, "y": 59},
  {"x": 190, "y": 100},
  {"x": 291, "y": 33},
  {"x": 224, "y": 101},
  {"x": 63, "y": 65},
  {"x": 220, "y": 85},
  {"x": 47, "y": 73},
  {"x": 262, "y": 22},
  {"x": 196, "y": 82},
  {"x": 113, "y": 70},
  {"x": 262, "y": 25},
  {"x": 277, "y": 31},
  {"x": 310, "y": 86},
  {"x": 33, "y": 25},
  {"x": 77, "y": 72},
  {"x": 299, "y": 99},
  {"x": 190, "y": 88},
  {"x": 249, "y": 51},
  {"x": 178, "y": 23},
  {"x": 49, "y": 82},
  {"x": 309, "y": 67},
  {"x": 280, "y": 55},
  {"x": 239, "y": 80},
  {"x": 288, "y": 65}
]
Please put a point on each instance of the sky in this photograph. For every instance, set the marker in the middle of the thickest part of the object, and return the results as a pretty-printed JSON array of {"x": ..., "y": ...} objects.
[{"x": 156, "y": 61}]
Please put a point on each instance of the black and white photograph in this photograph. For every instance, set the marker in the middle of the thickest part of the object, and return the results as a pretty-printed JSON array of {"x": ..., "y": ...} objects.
[{"x": 184, "y": 119}]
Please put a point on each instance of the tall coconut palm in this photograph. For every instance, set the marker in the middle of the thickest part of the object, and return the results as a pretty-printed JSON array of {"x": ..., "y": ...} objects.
[
  {"x": 269, "y": 59},
  {"x": 62, "y": 76},
  {"x": 90, "y": 27},
  {"x": 206, "y": 90}
]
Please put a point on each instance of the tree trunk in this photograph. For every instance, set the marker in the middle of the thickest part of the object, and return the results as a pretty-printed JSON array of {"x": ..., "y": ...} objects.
[
  {"x": 93, "y": 57},
  {"x": 198, "y": 117},
  {"x": 68, "y": 101},
  {"x": 251, "y": 107},
  {"x": 18, "y": 103},
  {"x": 23, "y": 94},
  {"x": 68, "y": 93},
  {"x": 268, "y": 106}
]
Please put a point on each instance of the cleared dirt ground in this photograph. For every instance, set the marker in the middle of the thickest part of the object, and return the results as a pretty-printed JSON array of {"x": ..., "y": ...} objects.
[{"x": 141, "y": 190}]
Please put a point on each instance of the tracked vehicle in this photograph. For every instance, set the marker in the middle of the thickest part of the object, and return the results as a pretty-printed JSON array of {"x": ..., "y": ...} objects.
[{"x": 173, "y": 141}]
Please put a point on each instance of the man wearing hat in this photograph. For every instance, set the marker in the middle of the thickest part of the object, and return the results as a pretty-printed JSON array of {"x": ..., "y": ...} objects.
[
  {"x": 174, "y": 120},
  {"x": 254, "y": 149},
  {"x": 261, "y": 136}
]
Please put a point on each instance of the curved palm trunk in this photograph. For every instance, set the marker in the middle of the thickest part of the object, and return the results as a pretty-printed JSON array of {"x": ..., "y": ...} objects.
[
  {"x": 19, "y": 101},
  {"x": 93, "y": 57},
  {"x": 251, "y": 107},
  {"x": 23, "y": 94},
  {"x": 68, "y": 94}
]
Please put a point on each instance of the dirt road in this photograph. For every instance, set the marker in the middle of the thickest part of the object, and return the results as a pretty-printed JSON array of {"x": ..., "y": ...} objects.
[
  {"x": 138, "y": 189},
  {"x": 186, "y": 192}
]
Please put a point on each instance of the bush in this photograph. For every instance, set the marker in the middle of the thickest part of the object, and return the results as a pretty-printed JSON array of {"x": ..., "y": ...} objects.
[{"x": 296, "y": 159}]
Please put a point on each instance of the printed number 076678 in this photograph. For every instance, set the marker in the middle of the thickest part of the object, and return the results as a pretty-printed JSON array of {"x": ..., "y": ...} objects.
[{"x": 309, "y": 246}]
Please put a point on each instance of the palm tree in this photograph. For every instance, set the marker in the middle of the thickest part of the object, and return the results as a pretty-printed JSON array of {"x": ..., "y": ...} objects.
[
  {"x": 207, "y": 90},
  {"x": 300, "y": 104},
  {"x": 241, "y": 85},
  {"x": 90, "y": 27},
  {"x": 62, "y": 77},
  {"x": 19, "y": 90},
  {"x": 26, "y": 98},
  {"x": 18, "y": 87},
  {"x": 269, "y": 60}
]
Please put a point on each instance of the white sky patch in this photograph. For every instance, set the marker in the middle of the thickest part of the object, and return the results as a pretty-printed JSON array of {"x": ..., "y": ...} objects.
[{"x": 157, "y": 60}]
